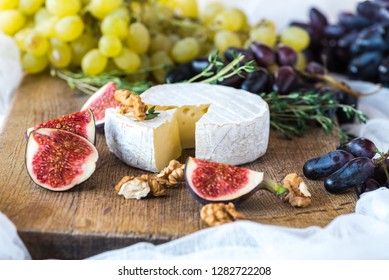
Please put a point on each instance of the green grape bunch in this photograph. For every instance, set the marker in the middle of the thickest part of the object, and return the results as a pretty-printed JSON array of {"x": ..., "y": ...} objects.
[{"x": 139, "y": 39}]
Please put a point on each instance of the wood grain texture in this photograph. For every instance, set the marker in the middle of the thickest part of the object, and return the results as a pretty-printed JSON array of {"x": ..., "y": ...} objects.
[{"x": 91, "y": 218}]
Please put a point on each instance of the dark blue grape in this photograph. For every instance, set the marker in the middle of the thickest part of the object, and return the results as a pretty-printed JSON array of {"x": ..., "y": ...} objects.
[
  {"x": 368, "y": 9},
  {"x": 351, "y": 21},
  {"x": 347, "y": 40},
  {"x": 233, "y": 81},
  {"x": 199, "y": 64},
  {"x": 345, "y": 99},
  {"x": 371, "y": 39},
  {"x": 263, "y": 54},
  {"x": 286, "y": 56},
  {"x": 368, "y": 186},
  {"x": 285, "y": 80},
  {"x": 380, "y": 174},
  {"x": 352, "y": 174},
  {"x": 229, "y": 54},
  {"x": 359, "y": 147},
  {"x": 365, "y": 66},
  {"x": 257, "y": 81},
  {"x": 180, "y": 73},
  {"x": 334, "y": 31},
  {"x": 318, "y": 20},
  {"x": 321, "y": 167}
]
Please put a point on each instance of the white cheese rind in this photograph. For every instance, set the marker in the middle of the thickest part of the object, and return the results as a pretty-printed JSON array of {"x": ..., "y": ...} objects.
[
  {"x": 235, "y": 129},
  {"x": 133, "y": 141}
]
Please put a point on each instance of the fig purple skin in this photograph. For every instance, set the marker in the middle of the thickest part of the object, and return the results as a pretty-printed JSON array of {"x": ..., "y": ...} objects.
[{"x": 246, "y": 191}]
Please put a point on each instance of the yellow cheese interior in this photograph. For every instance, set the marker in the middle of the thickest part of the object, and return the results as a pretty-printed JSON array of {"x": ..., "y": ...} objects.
[
  {"x": 167, "y": 145},
  {"x": 187, "y": 116}
]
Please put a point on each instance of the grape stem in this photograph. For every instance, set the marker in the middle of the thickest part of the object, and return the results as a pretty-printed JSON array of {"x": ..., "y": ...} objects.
[
  {"x": 274, "y": 187},
  {"x": 337, "y": 84},
  {"x": 382, "y": 161}
]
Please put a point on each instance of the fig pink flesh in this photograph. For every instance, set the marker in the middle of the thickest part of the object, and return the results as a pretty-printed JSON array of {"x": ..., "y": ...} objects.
[
  {"x": 102, "y": 100},
  {"x": 218, "y": 180},
  {"x": 60, "y": 158}
]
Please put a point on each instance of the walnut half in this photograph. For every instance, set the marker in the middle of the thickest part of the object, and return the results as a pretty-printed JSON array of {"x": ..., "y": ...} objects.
[
  {"x": 298, "y": 194},
  {"x": 215, "y": 214}
]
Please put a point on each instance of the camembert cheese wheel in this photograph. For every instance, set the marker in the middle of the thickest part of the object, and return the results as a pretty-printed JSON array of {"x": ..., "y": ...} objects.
[{"x": 223, "y": 124}]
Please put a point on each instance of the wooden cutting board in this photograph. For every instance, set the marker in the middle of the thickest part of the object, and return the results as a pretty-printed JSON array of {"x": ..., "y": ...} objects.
[{"x": 92, "y": 218}]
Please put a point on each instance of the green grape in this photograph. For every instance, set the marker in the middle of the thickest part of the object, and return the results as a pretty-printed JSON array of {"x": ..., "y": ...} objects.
[
  {"x": 185, "y": 50},
  {"x": 62, "y": 8},
  {"x": 47, "y": 27},
  {"x": 111, "y": 66},
  {"x": 123, "y": 13},
  {"x": 264, "y": 34},
  {"x": 211, "y": 10},
  {"x": 36, "y": 44},
  {"x": 11, "y": 21},
  {"x": 80, "y": 47},
  {"x": 60, "y": 54},
  {"x": 34, "y": 64},
  {"x": 140, "y": 76},
  {"x": 93, "y": 62},
  {"x": 8, "y": 4},
  {"x": 162, "y": 61},
  {"x": 187, "y": 8},
  {"x": 69, "y": 28},
  {"x": 110, "y": 45},
  {"x": 301, "y": 62},
  {"x": 138, "y": 38},
  {"x": 160, "y": 42},
  {"x": 114, "y": 25},
  {"x": 42, "y": 15},
  {"x": 127, "y": 60},
  {"x": 20, "y": 37},
  {"x": 230, "y": 19},
  {"x": 295, "y": 37},
  {"x": 225, "y": 39},
  {"x": 30, "y": 7},
  {"x": 100, "y": 8}
]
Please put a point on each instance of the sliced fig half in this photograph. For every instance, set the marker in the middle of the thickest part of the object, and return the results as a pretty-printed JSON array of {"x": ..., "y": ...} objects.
[
  {"x": 81, "y": 123},
  {"x": 211, "y": 182},
  {"x": 100, "y": 101},
  {"x": 58, "y": 159}
]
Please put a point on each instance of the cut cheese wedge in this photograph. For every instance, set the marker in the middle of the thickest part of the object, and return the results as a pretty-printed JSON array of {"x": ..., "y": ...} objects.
[
  {"x": 148, "y": 145},
  {"x": 225, "y": 124}
]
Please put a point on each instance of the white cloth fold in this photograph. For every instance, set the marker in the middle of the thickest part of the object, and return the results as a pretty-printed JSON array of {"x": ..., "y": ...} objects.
[
  {"x": 11, "y": 246},
  {"x": 360, "y": 235}
]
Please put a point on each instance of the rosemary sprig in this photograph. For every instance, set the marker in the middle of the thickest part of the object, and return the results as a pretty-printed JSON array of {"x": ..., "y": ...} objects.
[
  {"x": 90, "y": 84},
  {"x": 292, "y": 114},
  {"x": 215, "y": 72}
]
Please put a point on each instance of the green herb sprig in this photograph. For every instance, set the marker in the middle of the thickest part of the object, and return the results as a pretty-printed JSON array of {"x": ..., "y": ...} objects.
[
  {"x": 293, "y": 114},
  {"x": 151, "y": 113},
  {"x": 90, "y": 84}
]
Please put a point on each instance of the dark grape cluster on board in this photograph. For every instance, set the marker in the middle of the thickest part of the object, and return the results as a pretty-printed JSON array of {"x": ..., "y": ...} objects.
[{"x": 351, "y": 165}]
